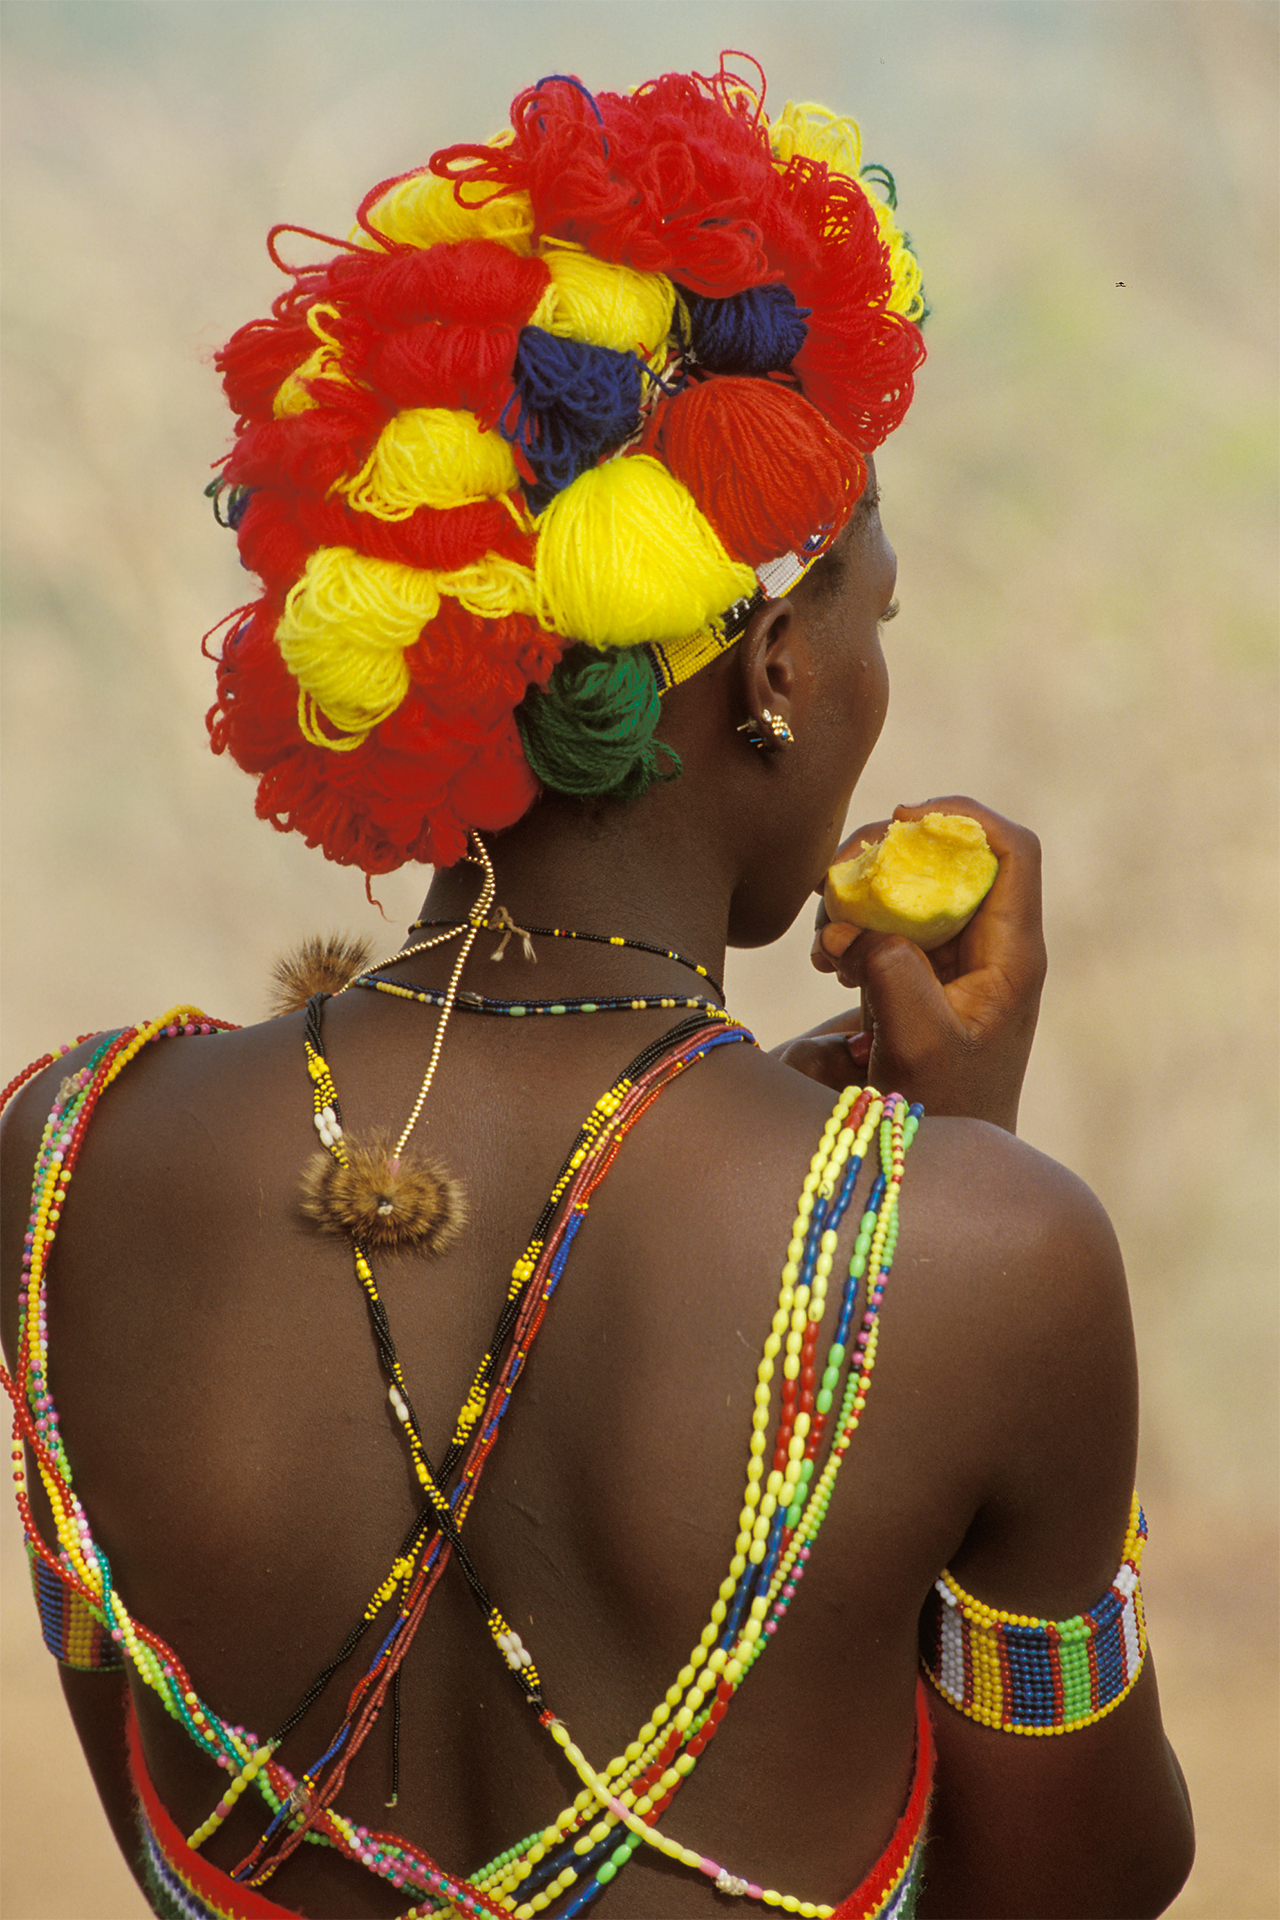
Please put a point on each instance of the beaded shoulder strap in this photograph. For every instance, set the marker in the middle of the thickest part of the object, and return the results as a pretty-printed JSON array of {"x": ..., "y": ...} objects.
[{"x": 83, "y": 1621}]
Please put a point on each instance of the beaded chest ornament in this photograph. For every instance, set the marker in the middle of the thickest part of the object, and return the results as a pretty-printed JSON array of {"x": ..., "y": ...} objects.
[{"x": 374, "y": 1188}]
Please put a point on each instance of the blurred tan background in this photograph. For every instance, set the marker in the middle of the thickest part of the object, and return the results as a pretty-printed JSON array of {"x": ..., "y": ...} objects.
[{"x": 1084, "y": 505}]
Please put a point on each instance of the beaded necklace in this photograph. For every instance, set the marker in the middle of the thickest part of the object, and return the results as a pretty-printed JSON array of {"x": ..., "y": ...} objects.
[
  {"x": 483, "y": 1003},
  {"x": 615, "y": 1811},
  {"x": 506, "y": 925}
]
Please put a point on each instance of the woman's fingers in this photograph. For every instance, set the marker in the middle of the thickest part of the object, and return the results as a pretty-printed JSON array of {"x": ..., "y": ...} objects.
[{"x": 837, "y": 1060}]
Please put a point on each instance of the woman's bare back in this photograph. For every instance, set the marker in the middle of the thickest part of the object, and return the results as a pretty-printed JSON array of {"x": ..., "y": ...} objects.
[{"x": 256, "y": 1491}]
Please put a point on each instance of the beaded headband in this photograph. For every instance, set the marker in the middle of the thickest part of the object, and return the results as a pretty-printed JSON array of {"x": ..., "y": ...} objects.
[
  {"x": 681, "y": 660},
  {"x": 504, "y": 459}
]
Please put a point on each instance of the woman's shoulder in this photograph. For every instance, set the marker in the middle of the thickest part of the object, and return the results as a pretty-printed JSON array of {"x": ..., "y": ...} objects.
[{"x": 1009, "y": 1293}]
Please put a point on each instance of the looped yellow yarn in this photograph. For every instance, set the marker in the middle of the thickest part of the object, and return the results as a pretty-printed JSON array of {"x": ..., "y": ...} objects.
[
  {"x": 431, "y": 457},
  {"x": 293, "y": 396},
  {"x": 493, "y": 588},
  {"x": 343, "y": 634},
  {"x": 907, "y": 297},
  {"x": 424, "y": 209},
  {"x": 602, "y": 303},
  {"x": 624, "y": 556},
  {"x": 818, "y": 134}
]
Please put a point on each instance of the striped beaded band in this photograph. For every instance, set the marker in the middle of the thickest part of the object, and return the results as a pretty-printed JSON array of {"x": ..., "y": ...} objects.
[
  {"x": 73, "y": 1632},
  {"x": 1023, "y": 1675}
]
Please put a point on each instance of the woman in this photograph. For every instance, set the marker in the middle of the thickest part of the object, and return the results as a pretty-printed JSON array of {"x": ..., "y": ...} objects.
[{"x": 558, "y": 481}]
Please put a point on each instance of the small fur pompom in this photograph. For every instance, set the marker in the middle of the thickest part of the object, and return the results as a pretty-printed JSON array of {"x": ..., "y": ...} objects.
[
  {"x": 320, "y": 964},
  {"x": 384, "y": 1202}
]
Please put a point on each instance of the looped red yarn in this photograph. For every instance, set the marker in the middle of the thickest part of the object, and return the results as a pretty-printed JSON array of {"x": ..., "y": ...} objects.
[
  {"x": 730, "y": 438},
  {"x": 478, "y": 281},
  {"x": 311, "y": 451},
  {"x": 281, "y": 528},
  {"x": 667, "y": 179}
]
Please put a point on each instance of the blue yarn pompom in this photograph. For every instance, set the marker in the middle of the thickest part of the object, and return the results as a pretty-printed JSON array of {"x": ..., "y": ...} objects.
[
  {"x": 758, "y": 331},
  {"x": 572, "y": 402}
]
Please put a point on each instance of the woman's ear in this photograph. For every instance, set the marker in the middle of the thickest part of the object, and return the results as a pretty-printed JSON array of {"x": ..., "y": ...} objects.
[{"x": 771, "y": 661}]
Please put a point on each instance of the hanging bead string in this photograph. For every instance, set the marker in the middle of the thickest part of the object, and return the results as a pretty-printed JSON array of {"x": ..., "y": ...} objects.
[
  {"x": 441, "y": 1511},
  {"x": 471, "y": 928},
  {"x": 474, "y": 1405},
  {"x": 599, "y": 1140},
  {"x": 482, "y": 1003},
  {"x": 504, "y": 924}
]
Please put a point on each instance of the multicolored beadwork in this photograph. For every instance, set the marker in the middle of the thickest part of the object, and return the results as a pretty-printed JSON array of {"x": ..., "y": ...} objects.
[
  {"x": 566, "y": 1864},
  {"x": 72, "y": 1632},
  {"x": 1024, "y": 1675}
]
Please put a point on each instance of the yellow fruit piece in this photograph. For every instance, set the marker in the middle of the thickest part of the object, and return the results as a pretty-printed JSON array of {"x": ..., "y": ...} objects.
[{"x": 926, "y": 879}]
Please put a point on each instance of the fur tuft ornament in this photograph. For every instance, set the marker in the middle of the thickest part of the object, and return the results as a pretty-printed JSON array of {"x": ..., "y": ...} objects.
[
  {"x": 382, "y": 1200},
  {"x": 324, "y": 963}
]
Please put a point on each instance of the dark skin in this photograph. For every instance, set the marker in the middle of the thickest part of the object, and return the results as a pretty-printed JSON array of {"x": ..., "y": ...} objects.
[{"x": 253, "y": 1490}]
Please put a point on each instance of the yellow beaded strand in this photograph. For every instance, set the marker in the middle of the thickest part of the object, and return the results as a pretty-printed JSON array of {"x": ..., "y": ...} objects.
[{"x": 796, "y": 1305}]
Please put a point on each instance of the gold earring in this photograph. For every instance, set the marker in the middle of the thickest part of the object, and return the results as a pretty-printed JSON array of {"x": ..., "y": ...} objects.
[{"x": 777, "y": 735}]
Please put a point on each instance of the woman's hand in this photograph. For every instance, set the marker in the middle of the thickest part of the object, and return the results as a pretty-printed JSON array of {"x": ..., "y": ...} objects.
[{"x": 952, "y": 1028}]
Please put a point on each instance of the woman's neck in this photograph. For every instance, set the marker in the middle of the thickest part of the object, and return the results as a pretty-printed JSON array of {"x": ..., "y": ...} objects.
[{"x": 626, "y": 870}]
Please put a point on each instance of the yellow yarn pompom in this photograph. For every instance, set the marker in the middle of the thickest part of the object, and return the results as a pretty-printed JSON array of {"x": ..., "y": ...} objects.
[
  {"x": 423, "y": 209},
  {"x": 602, "y": 303},
  {"x": 624, "y": 556},
  {"x": 343, "y": 634},
  {"x": 431, "y": 457}
]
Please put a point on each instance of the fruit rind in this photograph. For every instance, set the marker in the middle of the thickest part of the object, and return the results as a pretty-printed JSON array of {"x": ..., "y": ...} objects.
[{"x": 926, "y": 879}]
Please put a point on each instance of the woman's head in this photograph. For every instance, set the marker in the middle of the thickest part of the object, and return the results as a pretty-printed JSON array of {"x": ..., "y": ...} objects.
[{"x": 528, "y": 450}]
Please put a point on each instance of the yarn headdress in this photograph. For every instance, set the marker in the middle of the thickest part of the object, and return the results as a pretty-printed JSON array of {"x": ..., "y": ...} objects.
[{"x": 520, "y": 455}]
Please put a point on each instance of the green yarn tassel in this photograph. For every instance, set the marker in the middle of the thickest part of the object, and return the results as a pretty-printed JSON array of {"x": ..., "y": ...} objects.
[{"x": 589, "y": 731}]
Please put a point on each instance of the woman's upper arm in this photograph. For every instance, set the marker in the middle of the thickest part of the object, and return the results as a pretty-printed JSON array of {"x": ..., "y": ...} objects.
[{"x": 1095, "y": 1821}]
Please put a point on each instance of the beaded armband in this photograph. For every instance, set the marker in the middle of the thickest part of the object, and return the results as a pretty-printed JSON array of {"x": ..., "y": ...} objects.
[
  {"x": 73, "y": 1632},
  {"x": 1038, "y": 1676}
]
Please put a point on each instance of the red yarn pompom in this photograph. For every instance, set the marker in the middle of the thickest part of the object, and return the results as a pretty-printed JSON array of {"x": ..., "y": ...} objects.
[
  {"x": 476, "y": 282},
  {"x": 430, "y": 365},
  {"x": 858, "y": 361},
  {"x": 764, "y": 466},
  {"x": 448, "y": 760}
]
